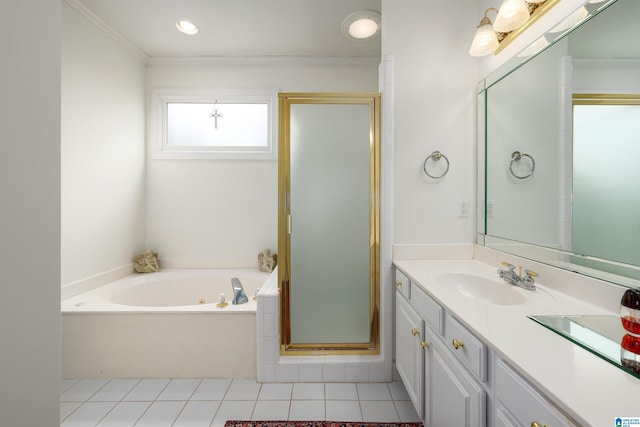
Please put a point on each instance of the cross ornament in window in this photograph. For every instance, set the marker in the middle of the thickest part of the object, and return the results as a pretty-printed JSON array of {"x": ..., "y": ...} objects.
[{"x": 215, "y": 114}]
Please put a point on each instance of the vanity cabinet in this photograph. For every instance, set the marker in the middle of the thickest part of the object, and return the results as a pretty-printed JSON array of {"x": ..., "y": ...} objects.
[
  {"x": 455, "y": 398},
  {"x": 518, "y": 404},
  {"x": 409, "y": 353},
  {"x": 441, "y": 388},
  {"x": 451, "y": 375}
]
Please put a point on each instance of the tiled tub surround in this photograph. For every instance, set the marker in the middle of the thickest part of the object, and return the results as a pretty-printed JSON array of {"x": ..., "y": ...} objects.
[
  {"x": 588, "y": 389},
  {"x": 162, "y": 325},
  {"x": 272, "y": 367}
]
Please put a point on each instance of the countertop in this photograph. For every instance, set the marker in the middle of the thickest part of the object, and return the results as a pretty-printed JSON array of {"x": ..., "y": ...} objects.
[{"x": 589, "y": 389}]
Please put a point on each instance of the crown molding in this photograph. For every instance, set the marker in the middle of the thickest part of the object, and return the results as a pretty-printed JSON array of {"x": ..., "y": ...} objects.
[
  {"x": 266, "y": 62},
  {"x": 88, "y": 16},
  {"x": 606, "y": 63}
]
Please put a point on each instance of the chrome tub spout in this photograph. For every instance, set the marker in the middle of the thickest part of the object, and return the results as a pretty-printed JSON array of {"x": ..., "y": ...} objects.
[{"x": 239, "y": 296}]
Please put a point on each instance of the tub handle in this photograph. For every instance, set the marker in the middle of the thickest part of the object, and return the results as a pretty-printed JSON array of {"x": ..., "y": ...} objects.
[{"x": 223, "y": 301}]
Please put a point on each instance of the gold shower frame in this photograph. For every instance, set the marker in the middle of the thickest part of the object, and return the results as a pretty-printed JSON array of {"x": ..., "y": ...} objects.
[{"x": 285, "y": 100}]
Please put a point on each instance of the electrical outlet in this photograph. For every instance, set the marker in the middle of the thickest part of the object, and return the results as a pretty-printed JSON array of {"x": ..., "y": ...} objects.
[
  {"x": 463, "y": 209},
  {"x": 490, "y": 208}
]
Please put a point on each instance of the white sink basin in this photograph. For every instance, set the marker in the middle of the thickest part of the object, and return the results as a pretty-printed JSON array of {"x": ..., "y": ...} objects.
[{"x": 475, "y": 286}]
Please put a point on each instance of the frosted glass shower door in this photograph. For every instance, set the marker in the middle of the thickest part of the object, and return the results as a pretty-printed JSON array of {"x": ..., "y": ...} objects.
[
  {"x": 331, "y": 233},
  {"x": 605, "y": 172}
]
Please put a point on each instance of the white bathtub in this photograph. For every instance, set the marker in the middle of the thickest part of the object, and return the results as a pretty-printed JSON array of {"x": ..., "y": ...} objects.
[{"x": 164, "y": 324}]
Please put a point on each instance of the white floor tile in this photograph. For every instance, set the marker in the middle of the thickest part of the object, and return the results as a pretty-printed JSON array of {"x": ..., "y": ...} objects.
[
  {"x": 197, "y": 414},
  {"x": 66, "y": 408},
  {"x": 373, "y": 391},
  {"x": 271, "y": 410},
  {"x": 233, "y": 410},
  {"x": 146, "y": 390},
  {"x": 82, "y": 390},
  {"x": 398, "y": 391},
  {"x": 66, "y": 384},
  {"x": 406, "y": 411},
  {"x": 211, "y": 389},
  {"x": 89, "y": 414},
  {"x": 343, "y": 410},
  {"x": 379, "y": 411},
  {"x": 243, "y": 389},
  {"x": 308, "y": 391},
  {"x": 307, "y": 410},
  {"x": 179, "y": 389},
  {"x": 211, "y": 402},
  {"x": 341, "y": 391},
  {"x": 160, "y": 414},
  {"x": 124, "y": 414},
  {"x": 275, "y": 392},
  {"x": 114, "y": 390}
]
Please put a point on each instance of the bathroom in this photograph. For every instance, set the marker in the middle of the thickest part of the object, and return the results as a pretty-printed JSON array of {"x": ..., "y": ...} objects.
[{"x": 431, "y": 108}]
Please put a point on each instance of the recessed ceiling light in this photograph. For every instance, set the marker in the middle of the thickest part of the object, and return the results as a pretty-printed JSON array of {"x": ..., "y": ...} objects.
[
  {"x": 187, "y": 27},
  {"x": 362, "y": 25}
]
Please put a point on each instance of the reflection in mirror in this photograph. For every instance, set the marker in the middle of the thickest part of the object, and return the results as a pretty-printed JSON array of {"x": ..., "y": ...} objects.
[
  {"x": 578, "y": 210},
  {"x": 605, "y": 213}
]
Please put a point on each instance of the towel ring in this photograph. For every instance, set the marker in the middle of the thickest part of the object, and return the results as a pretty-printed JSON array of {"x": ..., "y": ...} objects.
[
  {"x": 436, "y": 156},
  {"x": 516, "y": 156}
]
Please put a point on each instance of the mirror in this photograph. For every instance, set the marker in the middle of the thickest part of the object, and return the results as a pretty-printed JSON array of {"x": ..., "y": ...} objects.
[
  {"x": 329, "y": 226},
  {"x": 551, "y": 192}
]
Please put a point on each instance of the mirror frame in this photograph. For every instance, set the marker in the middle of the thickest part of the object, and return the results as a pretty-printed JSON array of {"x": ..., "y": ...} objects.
[{"x": 534, "y": 252}]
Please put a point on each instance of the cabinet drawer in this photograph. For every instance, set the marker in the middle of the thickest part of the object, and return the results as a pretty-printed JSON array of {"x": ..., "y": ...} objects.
[
  {"x": 403, "y": 284},
  {"x": 467, "y": 348},
  {"x": 522, "y": 401},
  {"x": 428, "y": 309}
]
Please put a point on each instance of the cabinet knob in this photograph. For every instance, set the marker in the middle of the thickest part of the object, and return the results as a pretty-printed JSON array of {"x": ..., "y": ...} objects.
[
  {"x": 457, "y": 344},
  {"x": 415, "y": 332},
  {"x": 537, "y": 424},
  {"x": 424, "y": 344},
  {"x": 398, "y": 283}
]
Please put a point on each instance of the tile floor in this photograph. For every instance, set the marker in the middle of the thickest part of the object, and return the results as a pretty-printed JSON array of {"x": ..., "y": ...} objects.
[{"x": 210, "y": 402}]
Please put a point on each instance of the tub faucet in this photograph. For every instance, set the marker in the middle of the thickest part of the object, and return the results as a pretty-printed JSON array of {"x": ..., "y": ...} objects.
[
  {"x": 510, "y": 276},
  {"x": 239, "y": 297}
]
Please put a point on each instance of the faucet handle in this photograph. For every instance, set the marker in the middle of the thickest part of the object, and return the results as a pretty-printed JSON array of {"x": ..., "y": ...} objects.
[
  {"x": 511, "y": 267},
  {"x": 531, "y": 273}
]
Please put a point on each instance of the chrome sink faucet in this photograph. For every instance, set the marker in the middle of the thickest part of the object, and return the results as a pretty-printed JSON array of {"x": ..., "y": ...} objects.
[
  {"x": 510, "y": 276},
  {"x": 239, "y": 297}
]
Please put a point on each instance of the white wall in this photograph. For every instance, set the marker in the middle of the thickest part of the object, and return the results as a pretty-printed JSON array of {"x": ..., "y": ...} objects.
[
  {"x": 102, "y": 151},
  {"x": 30, "y": 214},
  {"x": 226, "y": 210},
  {"x": 434, "y": 85}
]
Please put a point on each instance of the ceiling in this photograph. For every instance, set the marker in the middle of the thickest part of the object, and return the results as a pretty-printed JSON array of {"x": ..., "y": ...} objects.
[{"x": 236, "y": 28}]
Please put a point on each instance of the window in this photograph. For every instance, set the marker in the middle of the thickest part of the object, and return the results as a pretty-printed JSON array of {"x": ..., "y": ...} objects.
[{"x": 212, "y": 125}]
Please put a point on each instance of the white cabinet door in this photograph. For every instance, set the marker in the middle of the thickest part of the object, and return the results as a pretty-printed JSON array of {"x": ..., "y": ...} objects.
[
  {"x": 409, "y": 354},
  {"x": 522, "y": 402},
  {"x": 456, "y": 398},
  {"x": 503, "y": 420}
]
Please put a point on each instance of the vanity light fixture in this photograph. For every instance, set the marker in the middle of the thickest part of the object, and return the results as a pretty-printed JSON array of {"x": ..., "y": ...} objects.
[
  {"x": 512, "y": 15},
  {"x": 187, "y": 27},
  {"x": 363, "y": 25},
  {"x": 486, "y": 39}
]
